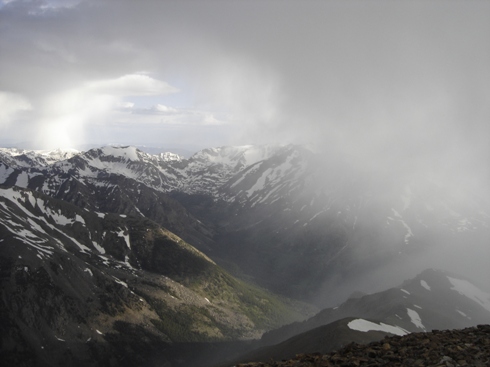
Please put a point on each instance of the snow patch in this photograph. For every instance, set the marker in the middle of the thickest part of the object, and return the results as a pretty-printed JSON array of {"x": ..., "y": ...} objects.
[
  {"x": 5, "y": 173},
  {"x": 120, "y": 282},
  {"x": 78, "y": 218},
  {"x": 415, "y": 318},
  {"x": 126, "y": 262},
  {"x": 125, "y": 236},
  {"x": 472, "y": 292},
  {"x": 22, "y": 180},
  {"x": 424, "y": 284},
  {"x": 365, "y": 326},
  {"x": 129, "y": 153},
  {"x": 400, "y": 219},
  {"x": 405, "y": 291},
  {"x": 98, "y": 248},
  {"x": 463, "y": 314}
]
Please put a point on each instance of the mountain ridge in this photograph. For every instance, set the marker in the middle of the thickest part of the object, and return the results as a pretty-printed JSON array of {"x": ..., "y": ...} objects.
[
  {"x": 133, "y": 254},
  {"x": 238, "y": 202},
  {"x": 444, "y": 301},
  {"x": 418, "y": 304},
  {"x": 89, "y": 281}
]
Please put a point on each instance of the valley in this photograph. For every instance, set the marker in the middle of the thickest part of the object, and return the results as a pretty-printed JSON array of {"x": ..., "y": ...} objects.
[{"x": 114, "y": 256}]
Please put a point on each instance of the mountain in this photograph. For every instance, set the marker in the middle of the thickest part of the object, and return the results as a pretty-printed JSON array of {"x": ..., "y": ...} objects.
[
  {"x": 292, "y": 221},
  {"x": 82, "y": 287},
  {"x": 323, "y": 339},
  {"x": 299, "y": 224},
  {"x": 122, "y": 257},
  {"x": 33, "y": 158},
  {"x": 433, "y": 300}
]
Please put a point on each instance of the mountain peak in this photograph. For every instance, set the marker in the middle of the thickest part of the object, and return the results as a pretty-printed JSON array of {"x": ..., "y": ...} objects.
[{"x": 126, "y": 152}]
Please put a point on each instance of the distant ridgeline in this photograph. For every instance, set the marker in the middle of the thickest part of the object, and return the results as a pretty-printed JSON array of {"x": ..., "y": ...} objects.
[{"x": 114, "y": 256}]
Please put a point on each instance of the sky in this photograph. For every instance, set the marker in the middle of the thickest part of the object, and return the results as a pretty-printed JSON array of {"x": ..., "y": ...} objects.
[{"x": 397, "y": 83}]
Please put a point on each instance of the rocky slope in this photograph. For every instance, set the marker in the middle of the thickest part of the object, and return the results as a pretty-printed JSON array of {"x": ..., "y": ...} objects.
[
  {"x": 292, "y": 221},
  {"x": 450, "y": 348},
  {"x": 434, "y": 299},
  {"x": 81, "y": 287},
  {"x": 123, "y": 247},
  {"x": 323, "y": 339}
]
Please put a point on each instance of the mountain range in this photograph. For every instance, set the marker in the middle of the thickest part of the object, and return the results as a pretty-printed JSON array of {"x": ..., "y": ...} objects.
[
  {"x": 433, "y": 300},
  {"x": 292, "y": 221},
  {"x": 123, "y": 257}
]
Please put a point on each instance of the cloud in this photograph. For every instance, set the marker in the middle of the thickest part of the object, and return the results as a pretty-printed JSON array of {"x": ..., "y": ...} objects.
[
  {"x": 59, "y": 119},
  {"x": 403, "y": 85},
  {"x": 165, "y": 109},
  {"x": 11, "y": 104},
  {"x": 160, "y": 114},
  {"x": 64, "y": 115},
  {"x": 131, "y": 85}
]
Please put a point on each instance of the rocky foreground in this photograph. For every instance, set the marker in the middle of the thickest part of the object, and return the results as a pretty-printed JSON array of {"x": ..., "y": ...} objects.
[{"x": 451, "y": 348}]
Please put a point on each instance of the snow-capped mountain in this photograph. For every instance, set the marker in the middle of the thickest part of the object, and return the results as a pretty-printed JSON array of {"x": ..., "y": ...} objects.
[
  {"x": 264, "y": 207},
  {"x": 122, "y": 246},
  {"x": 33, "y": 158},
  {"x": 433, "y": 300},
  {"x": 79, "y": 286}
]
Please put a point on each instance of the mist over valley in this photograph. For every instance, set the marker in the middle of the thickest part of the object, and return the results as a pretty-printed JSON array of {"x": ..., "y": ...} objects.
[{"x": 207, "y": 183}]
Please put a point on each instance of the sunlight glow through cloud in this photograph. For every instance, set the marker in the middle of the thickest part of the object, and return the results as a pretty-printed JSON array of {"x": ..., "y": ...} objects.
[
  {"x": 65, "y": 114},
  {"x": 358, "y": 82}
]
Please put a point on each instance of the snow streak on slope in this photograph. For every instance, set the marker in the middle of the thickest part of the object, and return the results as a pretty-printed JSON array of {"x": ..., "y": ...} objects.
[
  {"x": 35, "y": 158},
  {"x": 36, "y": 234},
  {"x": 415, "y": 318},
  {"x": 424, "y": 284},
  {"x": 365, "y": 326},
  {"x": 409, "y": 230},
  {"x": 471, "y": 291},
  {"x": 5, "y": 172},
  {"x": 124, "y": 234}
]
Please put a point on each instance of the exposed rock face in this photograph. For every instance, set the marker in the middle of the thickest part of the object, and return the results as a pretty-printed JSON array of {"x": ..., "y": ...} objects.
[{"x": 451, "y": 348}]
